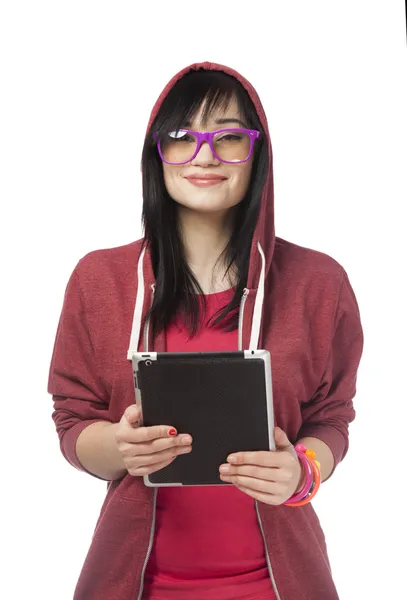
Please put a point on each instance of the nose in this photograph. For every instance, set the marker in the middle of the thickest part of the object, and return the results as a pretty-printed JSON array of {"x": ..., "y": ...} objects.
[{"x": 205, "y": 156}]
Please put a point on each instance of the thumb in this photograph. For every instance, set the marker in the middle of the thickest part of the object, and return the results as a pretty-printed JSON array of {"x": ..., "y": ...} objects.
[
  {"x": 132, "y": 415},
  {"x": 281, "y": 439}
]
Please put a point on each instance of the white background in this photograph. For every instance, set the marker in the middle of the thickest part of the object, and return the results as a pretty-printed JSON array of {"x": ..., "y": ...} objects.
[{"x": 78, "y": 82}]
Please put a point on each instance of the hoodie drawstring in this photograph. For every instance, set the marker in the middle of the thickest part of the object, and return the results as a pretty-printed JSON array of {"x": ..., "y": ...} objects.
[
  {"x": 258, "y": 305},
  {"x": 138, "y": 310}
]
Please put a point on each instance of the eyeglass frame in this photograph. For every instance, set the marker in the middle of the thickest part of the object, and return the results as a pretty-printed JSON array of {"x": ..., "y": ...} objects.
[{"x": 207, "y": 136}]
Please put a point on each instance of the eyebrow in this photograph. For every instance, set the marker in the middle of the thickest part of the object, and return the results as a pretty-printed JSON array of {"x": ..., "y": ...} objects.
[{"x": 225, "y": 121}]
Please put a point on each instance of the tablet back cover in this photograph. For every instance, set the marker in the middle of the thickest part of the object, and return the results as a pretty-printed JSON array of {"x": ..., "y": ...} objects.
[{"x": 220, "y": 402}]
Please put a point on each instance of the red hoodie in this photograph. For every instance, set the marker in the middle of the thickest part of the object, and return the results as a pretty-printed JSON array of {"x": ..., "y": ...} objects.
[{"x": 299, "y": 305}]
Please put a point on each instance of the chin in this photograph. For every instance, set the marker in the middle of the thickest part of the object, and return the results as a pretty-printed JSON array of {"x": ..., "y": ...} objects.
[
  {"x": 208, "y": 205},
  {"x": 206, "y": 201}
]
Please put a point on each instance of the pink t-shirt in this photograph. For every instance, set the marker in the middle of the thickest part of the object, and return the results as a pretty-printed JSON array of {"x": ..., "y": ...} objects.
[{"x": 208, "y": 543}]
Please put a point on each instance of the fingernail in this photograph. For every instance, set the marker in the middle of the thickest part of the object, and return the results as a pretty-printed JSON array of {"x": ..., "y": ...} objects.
[
  {"x": 186, "y": 439},
  {"x": 224, "y": 469},
  {"x": 232, "y": 459},
  {"x": 172, "y": 431}
]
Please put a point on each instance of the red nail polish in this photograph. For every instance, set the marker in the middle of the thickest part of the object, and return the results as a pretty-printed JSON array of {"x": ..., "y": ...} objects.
[{"x": 172, "y": 431}]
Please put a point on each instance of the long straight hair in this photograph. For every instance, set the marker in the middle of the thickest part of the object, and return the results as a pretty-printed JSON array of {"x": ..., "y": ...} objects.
[{"x": 177, "y": 292}]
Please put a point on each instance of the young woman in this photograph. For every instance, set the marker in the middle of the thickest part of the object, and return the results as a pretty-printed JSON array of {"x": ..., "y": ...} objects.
[{"x": 208, "y": 275}]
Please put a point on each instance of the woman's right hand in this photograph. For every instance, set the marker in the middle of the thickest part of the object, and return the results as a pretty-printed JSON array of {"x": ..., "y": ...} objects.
[{"x": 145, "y": 450}]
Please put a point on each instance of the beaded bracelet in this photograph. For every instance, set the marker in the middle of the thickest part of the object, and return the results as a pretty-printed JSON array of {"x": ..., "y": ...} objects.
[{"x": 312, "y": 477}]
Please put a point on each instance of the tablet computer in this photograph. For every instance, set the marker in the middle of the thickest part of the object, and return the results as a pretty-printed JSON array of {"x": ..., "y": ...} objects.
[{"x": 223, "y": 400}]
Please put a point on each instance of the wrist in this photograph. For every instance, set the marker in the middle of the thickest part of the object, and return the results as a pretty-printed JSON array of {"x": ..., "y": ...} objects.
[
  {"x": 97, "y": 451},
  {"x": 111, "y": 452}
]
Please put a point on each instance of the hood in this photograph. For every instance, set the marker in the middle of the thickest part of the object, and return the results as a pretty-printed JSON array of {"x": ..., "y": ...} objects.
[
  {"x": 263, "y": 243},
  {"x": 264, "y": 232}
]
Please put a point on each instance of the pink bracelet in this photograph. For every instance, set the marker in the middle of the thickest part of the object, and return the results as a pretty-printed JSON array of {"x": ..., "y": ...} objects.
[
  {"x": 308, "y": 479},
  {"x": 305, "y": 489}
]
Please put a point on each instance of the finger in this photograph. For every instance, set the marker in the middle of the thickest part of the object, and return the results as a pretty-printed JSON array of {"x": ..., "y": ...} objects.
[
  {"x": 261, "y": 496},
  {"x": 281, "y": 439},
  {"x": 140, "y": 435},
  {"x": 164, "y": 444},
  {"x": 132, "y": 416},
  {"x": 258, "y": 485},
  {"x": 262, "y": 458},
  {"x": 147, "y": 434},
  {"x": 147, "y": 470},
  {"x": 151, "y": 459},
  {"x": 265, "y": 473}
]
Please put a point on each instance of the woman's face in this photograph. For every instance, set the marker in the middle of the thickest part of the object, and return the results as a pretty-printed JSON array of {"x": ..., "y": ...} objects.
[{"x": 225, "y": 184}]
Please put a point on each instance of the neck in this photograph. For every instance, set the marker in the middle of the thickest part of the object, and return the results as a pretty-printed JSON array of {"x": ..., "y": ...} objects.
[{"x": 205, "y": 237}]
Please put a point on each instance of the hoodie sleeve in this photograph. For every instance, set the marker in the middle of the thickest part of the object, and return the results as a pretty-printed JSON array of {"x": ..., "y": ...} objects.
[
  {"x": 328, "y": 414},
  {"x": 78, "y": 394}
]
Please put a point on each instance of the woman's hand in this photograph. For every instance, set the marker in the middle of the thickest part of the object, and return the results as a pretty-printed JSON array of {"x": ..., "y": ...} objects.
[
  {"x": 145, "y": 450},
  {"x": 270, "y": 477}
]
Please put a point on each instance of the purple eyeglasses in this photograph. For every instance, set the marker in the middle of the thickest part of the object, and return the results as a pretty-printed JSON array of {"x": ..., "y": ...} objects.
[{"x": 232, "y": 146}]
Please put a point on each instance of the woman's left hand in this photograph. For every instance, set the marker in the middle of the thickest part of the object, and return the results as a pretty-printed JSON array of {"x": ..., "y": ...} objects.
[{"x": 270, "y": 477}]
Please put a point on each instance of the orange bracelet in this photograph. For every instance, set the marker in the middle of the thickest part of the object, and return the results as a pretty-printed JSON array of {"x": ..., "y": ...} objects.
[{"x": 317, "y": 483}]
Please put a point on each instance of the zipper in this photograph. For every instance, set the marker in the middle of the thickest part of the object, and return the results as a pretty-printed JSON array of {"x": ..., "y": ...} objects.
[
  {"x": 273, "y": 581},
  {"x": 150, "y": 546},
  {"x": 241, "y": 311}
]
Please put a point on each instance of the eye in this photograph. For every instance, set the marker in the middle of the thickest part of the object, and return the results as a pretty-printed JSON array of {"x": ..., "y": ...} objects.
[
  {"x": 230, "y": 137},
  {"x": 180, "y": 136},
  {"x": 233, "y": 136}
]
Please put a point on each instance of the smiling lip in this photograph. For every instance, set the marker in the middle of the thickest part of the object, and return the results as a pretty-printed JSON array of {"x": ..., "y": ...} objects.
[{"x": 205, "y": 180}]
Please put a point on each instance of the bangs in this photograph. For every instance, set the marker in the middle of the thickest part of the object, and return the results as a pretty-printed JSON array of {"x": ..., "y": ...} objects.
[{"x": 211, "y": 90}]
